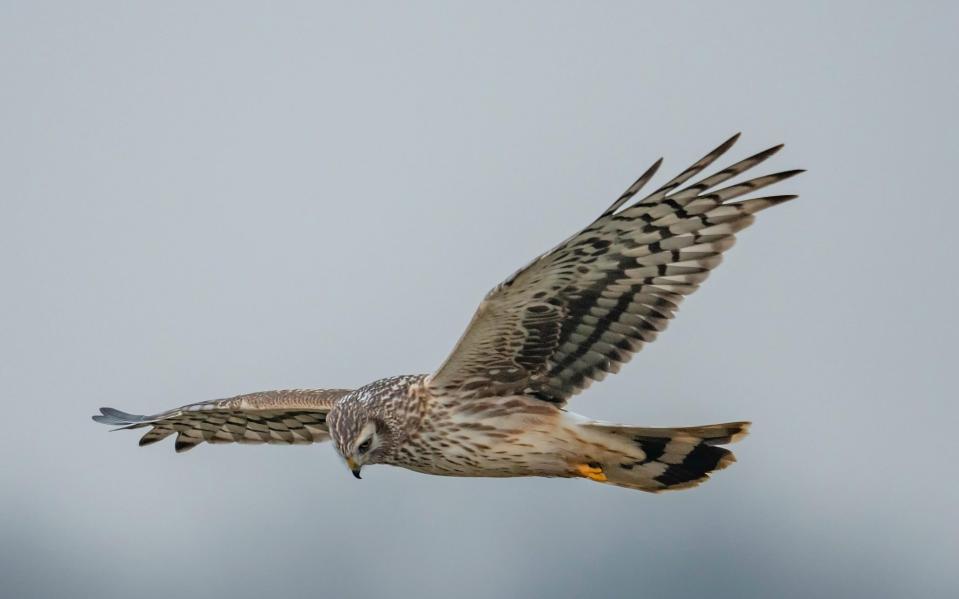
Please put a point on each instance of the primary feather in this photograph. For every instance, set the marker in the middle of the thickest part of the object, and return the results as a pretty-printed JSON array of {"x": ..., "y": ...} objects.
[{"x": 584, "y": 308}]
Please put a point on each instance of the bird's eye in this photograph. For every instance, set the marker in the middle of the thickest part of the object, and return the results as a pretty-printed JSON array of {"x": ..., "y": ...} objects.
[{"x": 365, "y": 445}]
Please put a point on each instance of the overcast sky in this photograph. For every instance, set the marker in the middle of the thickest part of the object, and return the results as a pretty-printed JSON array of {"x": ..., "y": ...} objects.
[{"x": 204, "y": 199}]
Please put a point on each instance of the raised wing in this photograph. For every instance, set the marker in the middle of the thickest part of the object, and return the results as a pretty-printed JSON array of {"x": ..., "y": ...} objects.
[
  {"x": 294, "y": 416},
  {"x": 584, "y": 308}
]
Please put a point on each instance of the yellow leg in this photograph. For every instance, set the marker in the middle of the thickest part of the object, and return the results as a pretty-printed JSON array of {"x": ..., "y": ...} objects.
[{"x": 591, "y": 472}]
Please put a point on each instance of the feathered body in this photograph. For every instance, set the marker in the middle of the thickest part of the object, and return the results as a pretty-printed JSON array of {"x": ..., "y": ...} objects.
[
  {"x": 496, "y": 406},
  {"x": 517, "y": 435}
]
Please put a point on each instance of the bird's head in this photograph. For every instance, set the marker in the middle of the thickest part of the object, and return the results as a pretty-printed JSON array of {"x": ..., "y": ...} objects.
[{"x": 360, "y": 435}]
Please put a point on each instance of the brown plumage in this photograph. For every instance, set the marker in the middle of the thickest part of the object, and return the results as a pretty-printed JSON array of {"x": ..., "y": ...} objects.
[{"x": 495, "y": 406}]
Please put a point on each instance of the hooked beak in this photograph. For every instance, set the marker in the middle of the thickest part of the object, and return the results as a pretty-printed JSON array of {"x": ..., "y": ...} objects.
[{"x": 354, "y": 467}]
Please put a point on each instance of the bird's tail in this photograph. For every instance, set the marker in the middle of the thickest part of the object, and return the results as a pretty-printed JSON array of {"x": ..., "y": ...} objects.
[{"x": 667, "y": 458}]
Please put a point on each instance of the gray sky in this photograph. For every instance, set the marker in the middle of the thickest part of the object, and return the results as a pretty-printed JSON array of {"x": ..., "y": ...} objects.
[{"x": 204, "y": 199}]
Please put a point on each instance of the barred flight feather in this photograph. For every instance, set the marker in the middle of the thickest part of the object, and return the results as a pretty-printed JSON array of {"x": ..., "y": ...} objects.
[
  {"x": 292, "y": 416},
  {"x": 584, "y": 308}
]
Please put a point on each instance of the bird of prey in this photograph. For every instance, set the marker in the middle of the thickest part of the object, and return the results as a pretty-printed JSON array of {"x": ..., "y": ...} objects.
[{"x": 496, "y": 406}]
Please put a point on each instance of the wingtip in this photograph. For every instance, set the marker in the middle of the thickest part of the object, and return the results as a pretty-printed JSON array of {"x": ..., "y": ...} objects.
[
  {"x": 782, "y": 198},
  {"x": 631, "y": 191},
  {"x": 769, "y": 152},
  {"x": 716, "y": 152},
  {"x": 653, "y": 168},
  {"x": 732, "y": 139},
  {"x": 114, "y": 416},
  {"x": 107, "y": 416},
  {"x": 721, "y": 148},
  {"x": 789, "y": 174},
  {"x": 648, "y": 174}
]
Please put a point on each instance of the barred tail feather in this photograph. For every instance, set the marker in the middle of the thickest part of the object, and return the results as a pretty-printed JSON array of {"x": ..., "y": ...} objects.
[{"x": 670, "y": 458}]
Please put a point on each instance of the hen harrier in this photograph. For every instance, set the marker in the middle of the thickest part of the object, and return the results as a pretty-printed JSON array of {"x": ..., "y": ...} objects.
[{"x": 495, "y": 407}]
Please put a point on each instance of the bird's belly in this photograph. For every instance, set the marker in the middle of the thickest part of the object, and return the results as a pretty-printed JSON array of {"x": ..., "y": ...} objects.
[{"x": 514, "y": 444}]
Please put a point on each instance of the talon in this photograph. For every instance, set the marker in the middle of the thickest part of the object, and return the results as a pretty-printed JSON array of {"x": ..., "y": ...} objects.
[{"x": 591, "y": 472}]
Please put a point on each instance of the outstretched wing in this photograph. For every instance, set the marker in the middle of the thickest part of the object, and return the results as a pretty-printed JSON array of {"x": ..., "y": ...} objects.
[
  {"x": 294, "y": 416},
  {"x": 584, "y": 308}
]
